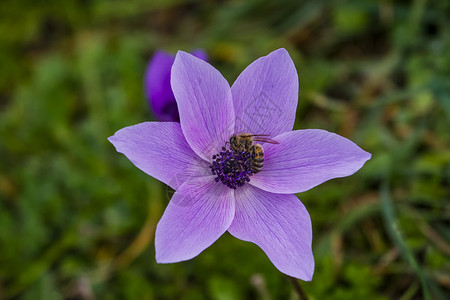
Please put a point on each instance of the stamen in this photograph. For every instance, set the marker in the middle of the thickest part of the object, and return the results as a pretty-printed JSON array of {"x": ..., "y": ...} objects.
[{"x": 232, "y": 168}]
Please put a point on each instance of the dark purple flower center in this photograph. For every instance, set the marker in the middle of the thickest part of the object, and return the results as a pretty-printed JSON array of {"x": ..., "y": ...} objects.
[{"x": 233, "y": 168}]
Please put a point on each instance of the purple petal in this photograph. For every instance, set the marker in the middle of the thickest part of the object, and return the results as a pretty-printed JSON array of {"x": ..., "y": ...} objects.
[
  {"x": 306, "y": 158},
  {"x": 204, "y": 102},
  {"x": 160, "y": 150},
  {"x": 157, "y": 87},
  {"x": 199, "y": 212},
  {"x": 280, "y": 225},
  {"x": 265, "y": 95}
]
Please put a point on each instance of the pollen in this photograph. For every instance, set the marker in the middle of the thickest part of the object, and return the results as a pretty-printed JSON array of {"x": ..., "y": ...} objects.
[{"x": 233, "y": 168}]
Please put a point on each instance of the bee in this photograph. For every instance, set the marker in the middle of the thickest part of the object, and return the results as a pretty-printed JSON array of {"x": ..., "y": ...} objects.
[{"x": 245, "y": 142}]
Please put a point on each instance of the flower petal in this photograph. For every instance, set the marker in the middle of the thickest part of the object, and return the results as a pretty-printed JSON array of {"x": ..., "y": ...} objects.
[
  {"x": 306, "y": 158},
  {"x": 161, "y": 151},
  {"x": 157, "y": 87},
  {"x": 265, "y": 95},
  {"x": 199, "y": 212},
  {"x": 204, "y": 102},
  {"x": 280, "y": 225}
]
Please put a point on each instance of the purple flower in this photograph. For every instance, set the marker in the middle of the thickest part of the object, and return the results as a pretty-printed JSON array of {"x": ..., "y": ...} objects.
[
  {"x": 221, "y": 187},
  {"x": 157, "y": 85}
]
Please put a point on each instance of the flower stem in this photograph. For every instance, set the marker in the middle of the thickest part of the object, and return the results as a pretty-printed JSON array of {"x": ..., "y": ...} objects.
[{"x": 298, "y": 289}]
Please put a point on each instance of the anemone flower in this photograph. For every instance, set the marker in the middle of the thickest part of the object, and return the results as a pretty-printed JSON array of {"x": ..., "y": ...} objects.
[
  {"x": 157, "y": 85},
  {"x": 220, "y": 187}
]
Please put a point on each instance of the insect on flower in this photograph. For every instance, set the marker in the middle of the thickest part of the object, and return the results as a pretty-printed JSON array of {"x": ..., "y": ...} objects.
[
  {"x": 245, "y": 142},
  {"x": 235, "y": 167}
]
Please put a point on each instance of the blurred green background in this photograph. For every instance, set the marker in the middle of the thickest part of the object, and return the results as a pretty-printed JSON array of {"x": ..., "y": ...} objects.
[{"x": 77, "y": 219}]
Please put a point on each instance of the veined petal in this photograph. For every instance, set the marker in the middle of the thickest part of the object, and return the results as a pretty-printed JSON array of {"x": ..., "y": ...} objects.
[
  {"x": 280, "y": 225},
  {"x": 306, "y": 158},
  {"x": 204, "y": 102},
  {"x": 200, "y": 211},
  {"x": 161, "y": 151},
  {"x": 265, "y": 95}
]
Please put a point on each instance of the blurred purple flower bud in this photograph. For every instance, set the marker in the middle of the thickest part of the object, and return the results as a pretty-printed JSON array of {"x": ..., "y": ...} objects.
[{"x": 157, "y": 85}]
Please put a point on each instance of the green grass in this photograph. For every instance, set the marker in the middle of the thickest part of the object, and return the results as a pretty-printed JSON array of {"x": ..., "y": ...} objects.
[{"x": 77, "y": 219}]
